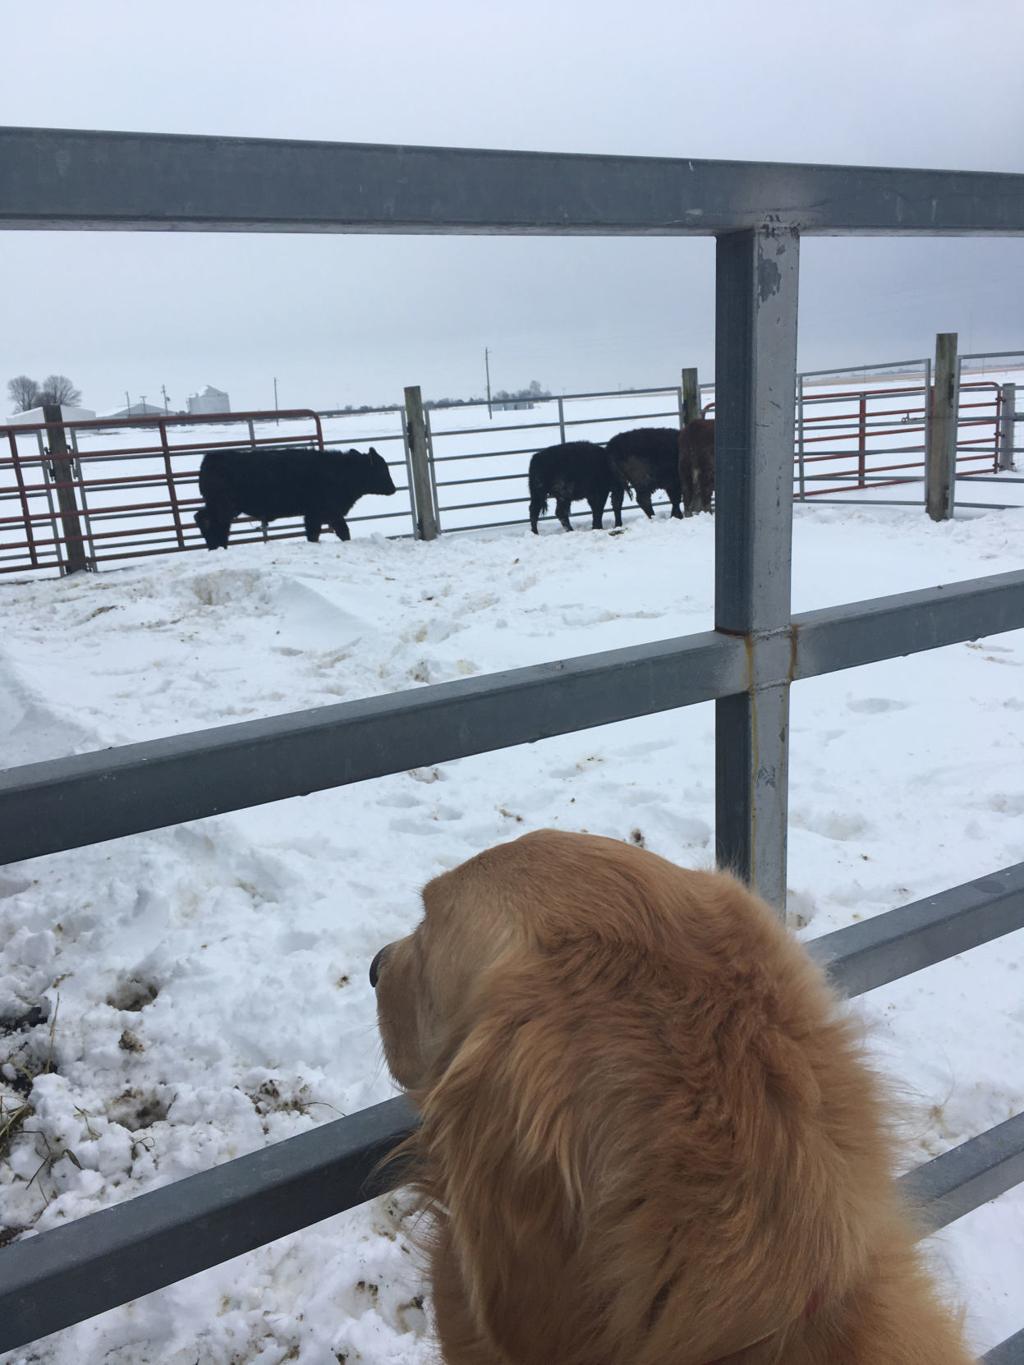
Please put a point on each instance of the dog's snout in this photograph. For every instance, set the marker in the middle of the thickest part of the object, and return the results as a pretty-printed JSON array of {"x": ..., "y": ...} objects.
[{"x": 375, "y": 966}]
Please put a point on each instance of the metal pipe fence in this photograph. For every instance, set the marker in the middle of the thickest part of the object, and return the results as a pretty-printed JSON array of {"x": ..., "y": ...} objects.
[
  {"x": 746, "y": 665},
  {"x": 855, "y": 427},
  {"x": 854, "y": 430},
  {"x": 136, "y": 499}
]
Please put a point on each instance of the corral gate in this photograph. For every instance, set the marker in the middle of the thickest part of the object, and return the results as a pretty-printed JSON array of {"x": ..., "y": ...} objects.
[{"x": 757, "y": 212}]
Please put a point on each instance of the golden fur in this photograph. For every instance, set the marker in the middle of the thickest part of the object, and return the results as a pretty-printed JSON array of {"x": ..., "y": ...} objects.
[{"x": 648, "y": 1135}]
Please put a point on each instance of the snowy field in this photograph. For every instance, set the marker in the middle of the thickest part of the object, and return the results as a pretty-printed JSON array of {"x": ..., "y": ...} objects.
[{"x": 212, "y": 981}]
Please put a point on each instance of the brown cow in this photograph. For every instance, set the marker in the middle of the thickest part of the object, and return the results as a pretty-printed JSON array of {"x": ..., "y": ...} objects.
[{"x": 697, "y": 465}]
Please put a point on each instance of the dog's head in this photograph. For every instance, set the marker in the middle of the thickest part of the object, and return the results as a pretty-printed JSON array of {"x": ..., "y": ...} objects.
[{"x": 650, "y": 1136}]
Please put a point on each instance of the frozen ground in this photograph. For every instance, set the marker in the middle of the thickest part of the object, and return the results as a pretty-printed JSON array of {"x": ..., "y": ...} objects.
[{"x": 212, "y": 978}]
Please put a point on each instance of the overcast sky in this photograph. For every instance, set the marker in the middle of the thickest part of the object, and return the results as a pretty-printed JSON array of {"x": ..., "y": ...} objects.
[{"x": 342, "y": 319}]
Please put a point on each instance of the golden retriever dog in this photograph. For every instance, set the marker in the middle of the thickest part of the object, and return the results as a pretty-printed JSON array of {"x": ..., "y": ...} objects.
[{"x": 648, "y": 1134}]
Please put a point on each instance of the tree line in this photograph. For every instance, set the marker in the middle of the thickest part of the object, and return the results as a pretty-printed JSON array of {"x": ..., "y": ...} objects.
[
  {"x": 25, "y": 393},
  {"x": 533, "y": 392}
]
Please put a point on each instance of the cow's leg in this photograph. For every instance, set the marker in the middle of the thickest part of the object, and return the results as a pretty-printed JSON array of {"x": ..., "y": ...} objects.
[
  {"x": 643, "y": 497},
  {"x": 707, "y": 486},
  {"x": 597, "y": 510},
  {"x": 674, "y": 494},
  {"x": 691, "y": 497},
  {"x": 537, "y": 506},
  {"x": 617, "y": 496},
  {"x": 313, "y": 525},
  {"x": 562, "y": 506},
  {"x": 340, "y": 528}
]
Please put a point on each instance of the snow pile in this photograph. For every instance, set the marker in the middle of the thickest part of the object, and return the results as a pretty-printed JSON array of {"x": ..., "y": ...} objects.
[{"x": 212, "y": 978}]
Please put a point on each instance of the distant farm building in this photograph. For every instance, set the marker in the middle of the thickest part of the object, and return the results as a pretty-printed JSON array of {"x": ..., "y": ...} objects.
[
  {"x": 210, "y": 400},
  {"x": 33, "y": 415},
  {"x": 138, "y": 410}
]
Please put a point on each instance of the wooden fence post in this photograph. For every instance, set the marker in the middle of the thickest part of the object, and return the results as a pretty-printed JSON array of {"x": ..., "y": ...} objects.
[
  {"x": 419, "y": 463},
  {"x": 691, "y": 396},
  {"x": 940, "y": 455},
  {"x": 63, "y": 476},
  {"x": 1007, "y": 420}
]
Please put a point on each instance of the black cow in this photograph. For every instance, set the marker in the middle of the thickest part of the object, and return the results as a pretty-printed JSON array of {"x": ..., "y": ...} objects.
[
  {"x": 577, "y": 470},
  {"x": 645, "y": 459},
  {"x": 697, "y": 465},
  {"x": 286, "y": 481}
]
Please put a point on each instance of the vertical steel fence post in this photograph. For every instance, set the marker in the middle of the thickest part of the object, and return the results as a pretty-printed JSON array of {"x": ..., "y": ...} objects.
[
  {"x": 80, "y": 477},
  {"x": 45, "y": 477},
  {"x": 862, "y": 440},
  {"x": 403, "y": 423},
  {"x": 432, "y": 471},
  {"x": 172, "y": 487},
  {"x": 1007, "y": 420},
  {"x": 755, "y": 396},
  {"x": 926, "y": 429}
]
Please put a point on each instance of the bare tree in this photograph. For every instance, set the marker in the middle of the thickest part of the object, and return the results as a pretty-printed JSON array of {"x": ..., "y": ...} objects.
[
  {"x": 23, "y": 392},
  {"x": 58, "y": 388}
]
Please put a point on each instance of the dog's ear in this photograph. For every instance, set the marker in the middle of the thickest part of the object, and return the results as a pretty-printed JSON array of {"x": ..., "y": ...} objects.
[{"x": 501, "y": 1144}]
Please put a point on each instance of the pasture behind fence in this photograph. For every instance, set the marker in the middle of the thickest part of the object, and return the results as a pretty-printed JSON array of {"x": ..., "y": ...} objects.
[
  {"x": 119, "y": 494},
  {"x": 747, "y": 664}
]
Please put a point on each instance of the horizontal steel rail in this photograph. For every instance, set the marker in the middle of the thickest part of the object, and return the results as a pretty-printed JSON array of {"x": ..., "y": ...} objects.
[
  {"x": 835, "y": 638},
  {"x": 69, "y": 802},
  {"x": 106, "y": 1258},
  {"x": 69, "y": 178},
  {"x": 887, "y": 947},
  {"x": 898, "y": 368},
  {"x": 87, "y": 798},
  {"x": 1011, "y": 1352},
  {"x": 969, "y": 1175},
  {"x": 845, "y": 501}
]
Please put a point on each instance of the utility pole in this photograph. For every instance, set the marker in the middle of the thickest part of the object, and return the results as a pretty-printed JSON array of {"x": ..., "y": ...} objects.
[
  {"x": 127, "y": 403},
  {"x": 143, "y": 413},
  {"x": 276, "y": 418},
  {"x": 487, "y": 367},
  {"x": 167, "y": 401}
]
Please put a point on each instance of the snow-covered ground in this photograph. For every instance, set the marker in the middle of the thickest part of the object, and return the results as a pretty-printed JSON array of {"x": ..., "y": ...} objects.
[{"x": 212, "y": 978}]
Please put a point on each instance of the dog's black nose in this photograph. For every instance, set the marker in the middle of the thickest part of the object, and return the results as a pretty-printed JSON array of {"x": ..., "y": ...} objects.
[{"x": 375, "y": 967}]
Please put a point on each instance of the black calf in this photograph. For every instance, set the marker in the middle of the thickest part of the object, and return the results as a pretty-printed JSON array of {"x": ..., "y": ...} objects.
[
  {"x": 321, "y": 486},
  {"x": 570, "y": 473},
  {"x": 645, "y": 459}
]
